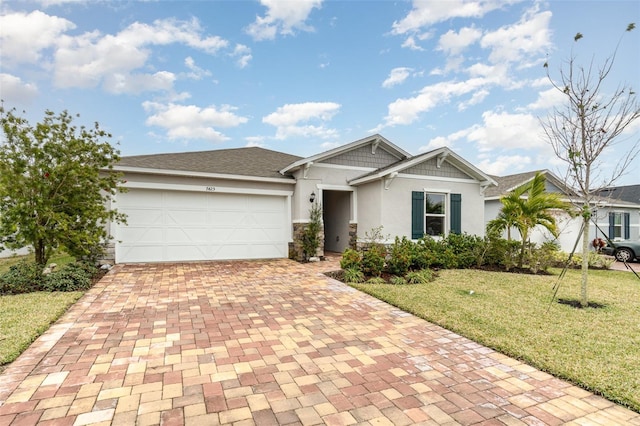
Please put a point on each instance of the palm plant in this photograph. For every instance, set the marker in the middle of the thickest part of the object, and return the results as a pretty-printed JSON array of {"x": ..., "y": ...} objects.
[{"x": 526, "y": 207}]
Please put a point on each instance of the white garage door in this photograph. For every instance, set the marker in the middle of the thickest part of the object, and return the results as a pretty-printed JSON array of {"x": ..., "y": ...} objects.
[{"x": 180, "y": 226}]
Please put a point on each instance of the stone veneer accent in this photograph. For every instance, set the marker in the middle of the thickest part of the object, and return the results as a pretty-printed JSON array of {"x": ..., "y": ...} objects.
[
  {"x": 109, "y": 254},
  {"x": 353, "y": 235},
  {"x": 296, "y": 251}
]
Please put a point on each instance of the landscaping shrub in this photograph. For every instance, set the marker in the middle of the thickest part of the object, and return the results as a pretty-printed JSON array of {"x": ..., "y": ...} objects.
[
  {"x": 351, "y": 259},
  {"x": 397, "y": 280},
  {"x": 376, "y": 280},
  {"x": 420, "y": 277},
  {"x": 23, "y": 277},
  {"x": 400, "y": 256},
  {"x": 373, "y": 260},
  {"x": 353, "y": 275},
  {"x": 423, "y": 253},
  {"x": 465, "y": 247},
  {"x": 71, "y": 277}
]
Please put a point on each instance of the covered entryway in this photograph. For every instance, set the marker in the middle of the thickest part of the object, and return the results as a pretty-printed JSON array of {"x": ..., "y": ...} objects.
[
  {"x": 336, "y": 210},
  {"x": 165, "y": 225}
]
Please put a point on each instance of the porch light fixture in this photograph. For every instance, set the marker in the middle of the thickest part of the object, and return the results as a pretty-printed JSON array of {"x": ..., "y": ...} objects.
[{"x": 312, "y": 197}]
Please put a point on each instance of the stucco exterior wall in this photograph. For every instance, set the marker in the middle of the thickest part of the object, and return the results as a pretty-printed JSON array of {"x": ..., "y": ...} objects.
[{"x": 391, "y": 207}]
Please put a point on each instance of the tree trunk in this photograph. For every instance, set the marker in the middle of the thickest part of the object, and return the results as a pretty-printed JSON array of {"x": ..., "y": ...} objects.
[
  {"x": 40, "y": 253},
  {"x": 584, "y": 301}
]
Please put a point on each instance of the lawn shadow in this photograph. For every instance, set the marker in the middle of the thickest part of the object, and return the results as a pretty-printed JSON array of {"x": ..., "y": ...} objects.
[{"x": 574, "y": 303}]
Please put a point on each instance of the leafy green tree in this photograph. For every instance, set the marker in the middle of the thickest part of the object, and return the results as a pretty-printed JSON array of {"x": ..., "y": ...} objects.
[
  {"x": 528, "y": 206},
  {"x": 56, "y": 181},
  {"x": 589, "y": 123}
]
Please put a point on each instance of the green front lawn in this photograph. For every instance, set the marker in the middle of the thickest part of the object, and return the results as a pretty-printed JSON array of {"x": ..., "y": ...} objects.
[
  {"x": 597, "y": 348},
  {"x": 24, "y": 317}
]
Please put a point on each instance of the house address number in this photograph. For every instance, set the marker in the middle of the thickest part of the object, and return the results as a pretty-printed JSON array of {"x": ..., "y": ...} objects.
[{"x": 209, "y": 188}]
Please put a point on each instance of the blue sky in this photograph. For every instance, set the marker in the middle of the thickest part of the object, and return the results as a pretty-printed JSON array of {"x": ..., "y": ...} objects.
[{"x": 306, "y": 76}]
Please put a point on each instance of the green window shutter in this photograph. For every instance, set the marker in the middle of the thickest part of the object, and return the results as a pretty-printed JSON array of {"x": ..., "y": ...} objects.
[
  {"x": 417, "y": 214},
  {"x": 625, "y": 221},
  {"x": 456, "y": 213}
]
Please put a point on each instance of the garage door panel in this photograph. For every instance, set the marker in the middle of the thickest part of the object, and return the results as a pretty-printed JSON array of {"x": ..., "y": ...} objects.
[
  {"x": 186, "y": 218},
  {"x": 182, "y": 226},
  {"x": 145, "y": 235},
  {"x": 138, "y": 198},
  {"x": 144, "y": 217}
]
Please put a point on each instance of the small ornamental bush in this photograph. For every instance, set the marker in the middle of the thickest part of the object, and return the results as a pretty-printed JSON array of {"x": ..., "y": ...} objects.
[
  {"x": 395, "y": 280},
  {"x": 400, "y": 256},
  {"x": 373, "y": 260},
  {"x": 351, "y": 259},
  {"x": 353, "y": 275},
  {"x": 23, "y": 277},
  {"x": 465, "y": 247},
  {"x": 71, "y": 277},
  {"x": 376, "y": 280},
  {"x": 423, "y": 276}
]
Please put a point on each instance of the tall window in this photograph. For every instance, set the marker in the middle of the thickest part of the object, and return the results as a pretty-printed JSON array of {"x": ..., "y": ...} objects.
[
  {"x": 435, "y": 213},
  {"x": 619, "y": 225}
]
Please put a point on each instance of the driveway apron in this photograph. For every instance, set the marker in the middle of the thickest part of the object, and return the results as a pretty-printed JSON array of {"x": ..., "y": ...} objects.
[{"x": 267, "y": 343}]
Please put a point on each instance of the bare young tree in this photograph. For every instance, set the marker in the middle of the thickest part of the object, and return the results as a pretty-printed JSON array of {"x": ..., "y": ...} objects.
[{"x": 590, "y": 122}]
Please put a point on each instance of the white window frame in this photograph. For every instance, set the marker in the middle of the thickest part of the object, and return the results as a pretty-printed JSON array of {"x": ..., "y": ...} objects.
[{"x": 444, "y": 216}]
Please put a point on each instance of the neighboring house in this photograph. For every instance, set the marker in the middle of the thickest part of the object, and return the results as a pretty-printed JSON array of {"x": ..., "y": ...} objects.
[
  {"x": 254, "y": 203},
  {"x": 630, "y": 193},
  {"x": 615, "y": 219}
]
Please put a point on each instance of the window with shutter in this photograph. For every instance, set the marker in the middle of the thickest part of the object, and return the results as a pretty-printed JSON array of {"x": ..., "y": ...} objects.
[{"x": 430, "y": 215}]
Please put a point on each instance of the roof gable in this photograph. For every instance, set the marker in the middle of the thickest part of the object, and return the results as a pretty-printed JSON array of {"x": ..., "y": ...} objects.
[
  {"x": 363, "y": 157},
  {"x": 251, "y": 161},
  {"x": 350, "y": 152},
  {"x": 441, "y": 162}
]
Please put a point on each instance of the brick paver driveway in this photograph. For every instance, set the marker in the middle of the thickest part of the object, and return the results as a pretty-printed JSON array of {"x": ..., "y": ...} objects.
[{"x": 269, "y": 342}]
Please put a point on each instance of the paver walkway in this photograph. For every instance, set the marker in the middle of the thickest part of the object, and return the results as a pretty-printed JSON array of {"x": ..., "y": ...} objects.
[{"x": 270, "y": 342}]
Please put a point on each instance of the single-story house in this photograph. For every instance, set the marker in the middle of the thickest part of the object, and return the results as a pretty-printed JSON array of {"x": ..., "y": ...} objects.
[
  {"x": 630, "y": 193},
  {"x": 616, "y": 219},
  {"x": 254, "y": 203}
]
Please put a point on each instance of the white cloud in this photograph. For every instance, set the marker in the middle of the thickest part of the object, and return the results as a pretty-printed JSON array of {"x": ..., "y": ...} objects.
[
  {"x": 119, "y": 83},
  {"x": 502, "y": 164},
  {"x": 428, "y": 12},
  {"x": 397, "y": 76},
  {"x": 407, "y": 110},
  {"x": 196, "y": 73},
  {"x": 327, "y": 146},
  {"x": 455, "y": 43},
  {"x": 410, "y": 43},
  {"x": 91, "y": 59},
  {"x": 548, "y": 99},
  {"x": 191, "y": 121},
  {"x": 282, "y": 17},
  {"x": 440, "y": 141},
  {"x": 25, "y": 35},
  {"x": 292, "y": 119},
  {"x": 243, "y": 55},
  {"x": 255, "y": 141},
  {"x": 476, "y": 98},
  {"x": 523, "y": 42},
  {"x": 15, "y": 91},
  {"x": 507, "y": 131}
]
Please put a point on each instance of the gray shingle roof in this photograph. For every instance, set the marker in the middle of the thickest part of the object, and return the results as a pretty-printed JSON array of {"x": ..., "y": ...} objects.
[
  {"x": 630, "y": 193},
  {"x": 253, "y": 161},
  {"x": 508, "y": 183}
]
